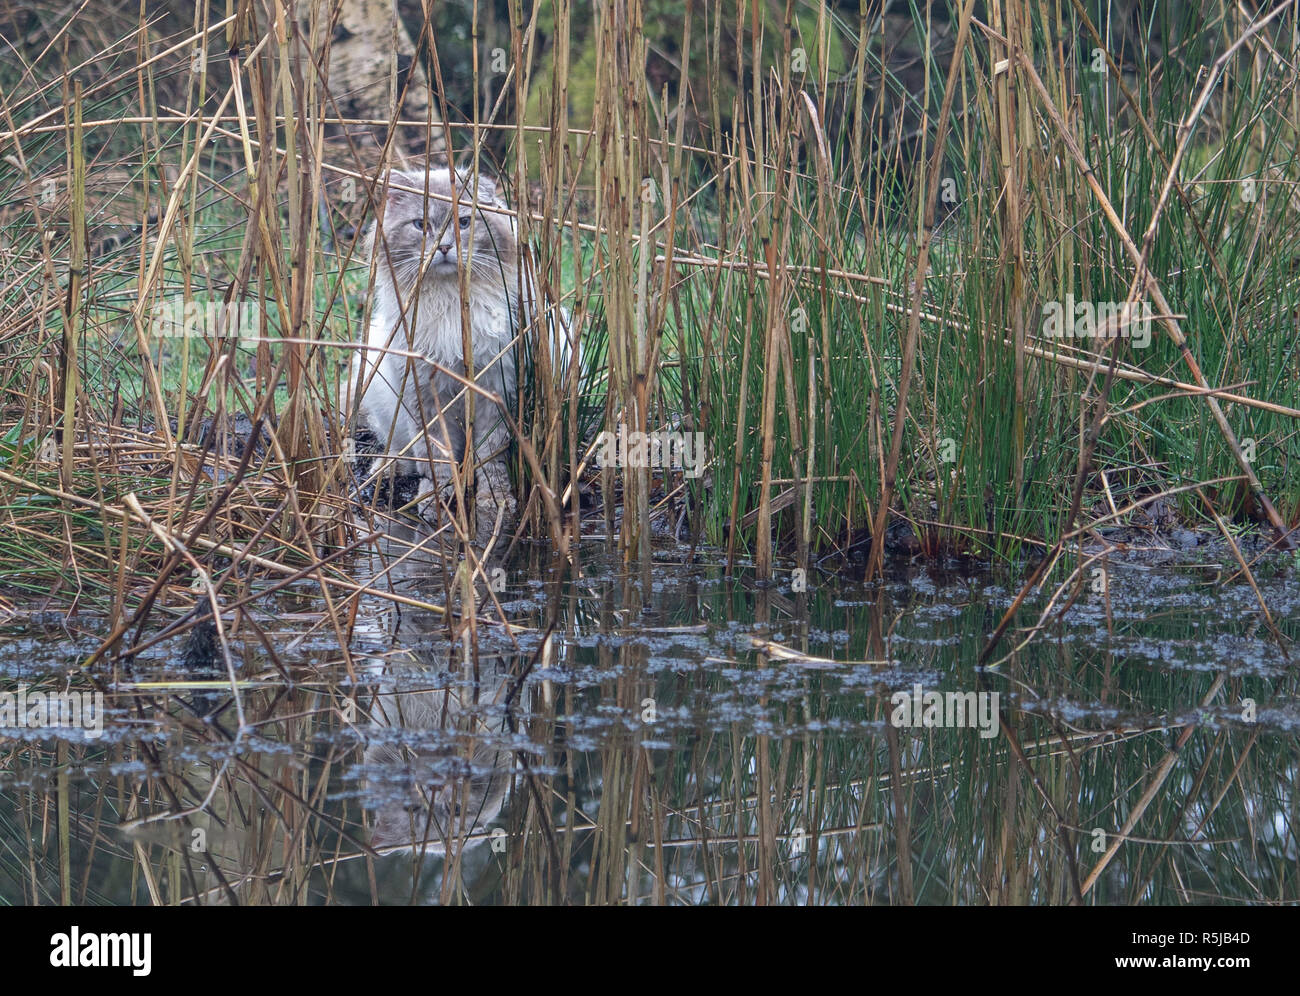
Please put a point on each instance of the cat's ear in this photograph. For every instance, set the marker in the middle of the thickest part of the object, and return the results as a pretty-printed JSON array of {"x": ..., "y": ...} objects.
[
  {"x": 411, "y": 198},
  {"x": 487, "y": 185},
  {"x": 487, "y": 188},
  {"x": 392, "y": 827}
]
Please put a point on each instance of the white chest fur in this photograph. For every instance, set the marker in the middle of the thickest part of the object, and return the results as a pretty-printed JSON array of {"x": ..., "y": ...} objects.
[
  {"x": 432, "y": 325},
  {"x": 407, "y": 376}
]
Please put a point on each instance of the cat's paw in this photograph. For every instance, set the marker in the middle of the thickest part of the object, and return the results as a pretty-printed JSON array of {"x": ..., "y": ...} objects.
[
  {"x": 494, "y": 493},
  {"x": 437, "y": 501}
]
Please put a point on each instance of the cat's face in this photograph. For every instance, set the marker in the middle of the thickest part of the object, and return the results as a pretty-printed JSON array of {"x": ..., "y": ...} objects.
[
  {"x": 434, "y": 237},
  {"x": 430, "y": 797}
]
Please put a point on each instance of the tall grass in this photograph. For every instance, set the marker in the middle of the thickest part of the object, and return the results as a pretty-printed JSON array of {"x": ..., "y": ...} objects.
[{"x": 821, "y": 236}]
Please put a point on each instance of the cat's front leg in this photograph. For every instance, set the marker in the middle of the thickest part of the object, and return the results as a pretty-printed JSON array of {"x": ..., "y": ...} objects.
[{"x": 437, "y": 488}]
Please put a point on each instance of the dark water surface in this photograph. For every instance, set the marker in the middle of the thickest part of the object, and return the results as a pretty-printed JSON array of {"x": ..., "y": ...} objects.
[{"x": 730, "y": 743}]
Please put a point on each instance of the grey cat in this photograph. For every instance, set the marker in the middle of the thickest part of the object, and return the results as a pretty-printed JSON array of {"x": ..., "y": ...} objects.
[{"x": 420, "y": 246}]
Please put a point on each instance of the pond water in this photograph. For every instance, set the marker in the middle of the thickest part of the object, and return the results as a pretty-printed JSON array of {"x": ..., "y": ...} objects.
[{"x": 1133, "y": 739}]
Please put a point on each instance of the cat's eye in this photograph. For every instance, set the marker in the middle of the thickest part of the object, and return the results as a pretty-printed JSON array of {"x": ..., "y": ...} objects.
[
  {"x": 464, "y": 222},
  {"x": 418, "y": 223}
]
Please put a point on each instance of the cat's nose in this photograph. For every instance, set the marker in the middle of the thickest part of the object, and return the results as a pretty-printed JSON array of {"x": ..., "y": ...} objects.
[{"x": 446, "y": 249}]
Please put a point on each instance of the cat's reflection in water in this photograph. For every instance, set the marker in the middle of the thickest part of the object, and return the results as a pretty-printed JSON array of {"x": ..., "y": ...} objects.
[
  {"x": 441, "y": 750},
  {"x": 441, "y": 764}
]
